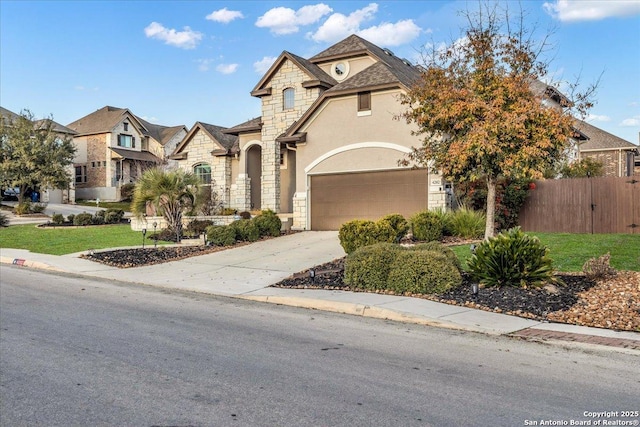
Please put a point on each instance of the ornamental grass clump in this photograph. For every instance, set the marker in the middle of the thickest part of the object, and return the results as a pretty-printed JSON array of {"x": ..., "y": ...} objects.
[
  {"x": 512, "y": 258},
  {"x": 467, "y": 223}
]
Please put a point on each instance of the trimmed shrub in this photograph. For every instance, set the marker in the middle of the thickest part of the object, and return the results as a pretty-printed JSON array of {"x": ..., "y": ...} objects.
[
  {"x": 398, "y": 224},
  {"x": 426, "y": 226},
  {"x": 246, "y": 230},
  {"x": 221, "y": 235},
  {"x": 198, "y": 226},
  {"x": 38, "y": 207},
  {"x": 599, "y": 268},
  {"x": 512, "y": 258},
  {"x": 356, "y": 234},
  {"x": 113, "y": 215},
  {"x": 467, "y": 223},
  {"x": 166, "y": 235},
  {"x": 368, "y": 267},
  {"x": 422, "y": 272},
  {"x": 70, "y": 218},
  {"x": 57, "y": 219},
  {"x": 4, "y": 220},
  {"x": 268, "y": 223},
  {"x": 228, "y": 211},
  {"x": 23, "y": 208},
  {"x": 245, "y": 215},
  {"x": 83, "y": 219},
  {"x": 438, "y": 247}
]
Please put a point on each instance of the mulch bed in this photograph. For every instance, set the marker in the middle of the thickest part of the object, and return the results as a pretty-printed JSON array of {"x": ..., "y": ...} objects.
[{"x": 613, "y": 303}]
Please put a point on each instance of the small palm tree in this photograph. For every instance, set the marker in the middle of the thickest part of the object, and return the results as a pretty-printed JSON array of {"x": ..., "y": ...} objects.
[{"x": 171, "y": 193}]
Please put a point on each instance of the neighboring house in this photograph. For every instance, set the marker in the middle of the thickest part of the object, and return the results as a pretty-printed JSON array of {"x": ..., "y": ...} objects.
[
  {"x": 327, "y": 145},
  {"x": 617, "y": 155},
  {"x": 50, "y": 195},
  {"x": 115, "y": 147}
]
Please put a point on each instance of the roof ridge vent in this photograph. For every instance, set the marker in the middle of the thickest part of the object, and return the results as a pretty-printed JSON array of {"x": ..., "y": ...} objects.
[{"x": 387, "y": 51}]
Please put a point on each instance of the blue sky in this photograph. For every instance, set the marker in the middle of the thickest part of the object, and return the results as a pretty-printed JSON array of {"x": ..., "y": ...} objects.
[{"x": 178, "y": 62}]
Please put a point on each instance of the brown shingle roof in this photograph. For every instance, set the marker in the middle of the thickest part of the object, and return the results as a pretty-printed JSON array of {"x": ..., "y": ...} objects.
[
  {"x": 162, "y": 134},
  {"x": 55, "y": 126},
  {"x": 100, "y": 121},
  {"x": 250, "y": 126},
  {"x": 353, "y": 46},
  {"x": 600, "y": 139},
  {"x": 229, "y": 143}
]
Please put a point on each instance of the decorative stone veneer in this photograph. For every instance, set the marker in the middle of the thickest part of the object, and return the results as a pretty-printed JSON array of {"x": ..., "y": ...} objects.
[
  {"x": 437, "y": 197},
  {"x": 241, "y": 193},
  {"x": 275, "y": 121},
  {"x": 299, "y": 211}
]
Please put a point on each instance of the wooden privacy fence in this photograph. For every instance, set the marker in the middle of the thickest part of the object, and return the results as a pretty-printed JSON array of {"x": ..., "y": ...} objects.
[{"x": 583, "y": 205}]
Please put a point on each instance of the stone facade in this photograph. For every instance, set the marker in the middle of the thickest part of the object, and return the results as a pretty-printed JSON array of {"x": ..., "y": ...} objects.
[
  {"x": 276, "y": 119},
  {"x": 241, "y": 193}
]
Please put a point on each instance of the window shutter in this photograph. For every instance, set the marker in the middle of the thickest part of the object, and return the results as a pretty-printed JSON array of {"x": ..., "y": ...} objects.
[{"x": 133, "y": 142}]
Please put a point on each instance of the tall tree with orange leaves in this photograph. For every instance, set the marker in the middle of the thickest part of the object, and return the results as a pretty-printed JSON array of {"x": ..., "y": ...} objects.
[{"x": 480, "y": 108}]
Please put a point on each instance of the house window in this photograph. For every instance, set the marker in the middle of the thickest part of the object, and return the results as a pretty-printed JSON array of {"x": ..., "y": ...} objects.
[
  {"x": 288, "y": 96},
  {"x": 364, "y": 101},
  {"x": 203, "y": 171},
  {"x": 126, "y": 141},
  {"x": 81, "y": 174},
  {"x": 126, "y": 126}
]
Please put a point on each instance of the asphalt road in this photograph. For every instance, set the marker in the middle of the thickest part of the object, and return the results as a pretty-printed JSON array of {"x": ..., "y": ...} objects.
[{"x": 81, "y": 352}]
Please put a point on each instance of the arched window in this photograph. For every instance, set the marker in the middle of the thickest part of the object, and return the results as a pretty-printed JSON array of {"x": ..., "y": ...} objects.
[
  {"x": 288, "y": 96},
  {"x": 203, "y": 171}
]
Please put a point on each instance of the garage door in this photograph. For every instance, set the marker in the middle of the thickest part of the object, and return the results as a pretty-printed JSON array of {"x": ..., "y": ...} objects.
[{"x": 336, "y": 199}]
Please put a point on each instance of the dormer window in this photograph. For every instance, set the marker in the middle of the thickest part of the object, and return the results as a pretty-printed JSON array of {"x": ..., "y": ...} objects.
[
  {"x": 340, "y": 70},
  {"x": 288, "y": 98},
  {"x": 364, "y": 101}
]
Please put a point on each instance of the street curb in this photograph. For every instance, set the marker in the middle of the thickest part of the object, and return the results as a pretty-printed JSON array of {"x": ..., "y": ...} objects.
[
  {"x": 27, "y": 263},
  {"x": 362, "y": 310}
]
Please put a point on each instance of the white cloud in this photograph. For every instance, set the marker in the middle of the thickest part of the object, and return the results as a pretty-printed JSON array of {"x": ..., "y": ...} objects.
[
  {"x": 224, "y": 15},
  {"x": 283, "y": 20},
  {"x": 339, "y": 26},
  {"x": 633, "y": 121},
  {"x": 227, "y": 68},
  {"x": 580, "y": 10},
  {"x": 392, "y": 34},
  {"x": 83, "y": 88},
  {"x": 187, "y": 39},
  {"x": 263, "y": 65},
  {"x": 598, "y": 118}
]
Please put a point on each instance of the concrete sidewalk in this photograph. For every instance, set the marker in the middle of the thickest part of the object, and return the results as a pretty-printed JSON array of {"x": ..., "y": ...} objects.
[{"x": 247, "y": 272}]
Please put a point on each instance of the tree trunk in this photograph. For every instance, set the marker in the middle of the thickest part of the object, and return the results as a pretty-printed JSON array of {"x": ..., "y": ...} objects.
[{"x": 491, "y": 207}]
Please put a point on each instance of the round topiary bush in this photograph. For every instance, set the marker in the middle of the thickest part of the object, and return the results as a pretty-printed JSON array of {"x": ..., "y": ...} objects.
[
  {"x": 422, "y": 272},
  {"x": 246, "y": 230},
  {"x": 221, "y": 235},
  {"x": 113, "y": 215},
  {"x": 83, "y": 219},
  {"x": 57, "y": 219},
  {"x": 512, "y": 258},
  {"x": 368, "y": 267},
  {"x": 398, "y": 224},
  {"x": 70, "y": 218},
  {"x": 427, "y": 226},
  {"x": 268, "y": 223},
  {"x": 439, "y": 247}
]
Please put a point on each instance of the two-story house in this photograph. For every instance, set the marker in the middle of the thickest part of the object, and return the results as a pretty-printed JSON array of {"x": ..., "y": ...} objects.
[
  {"x": 326, "y": 147},
  {"x": 114, "y": 147}
]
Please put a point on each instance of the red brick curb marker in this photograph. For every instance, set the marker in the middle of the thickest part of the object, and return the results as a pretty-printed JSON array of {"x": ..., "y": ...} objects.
[{"x": 568, "y": 336}]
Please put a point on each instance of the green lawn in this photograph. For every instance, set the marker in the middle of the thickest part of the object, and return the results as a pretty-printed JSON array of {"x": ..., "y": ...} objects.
[
  {"x": 66, "y": 240},
  {"x": 570, "y": 251},
  {"x": 125, "y": 206}
]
